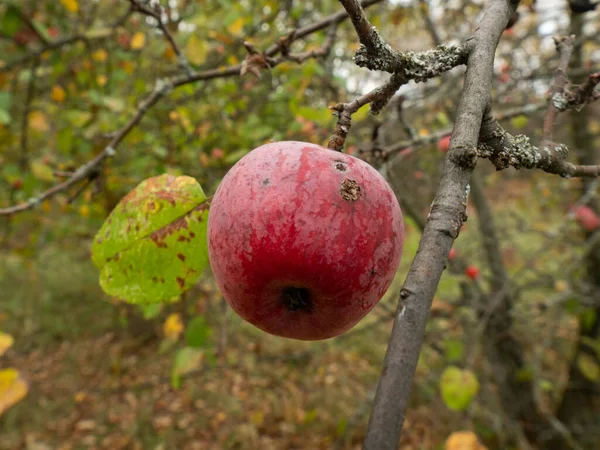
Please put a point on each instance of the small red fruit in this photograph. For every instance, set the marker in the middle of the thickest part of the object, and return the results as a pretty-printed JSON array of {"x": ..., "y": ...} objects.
[
  {"x": 452, "y": 254},
  {"x": 303, "y": 241},
  {"x": 217, "y": 153},
  {"x": 17, "y": 184},
  {"x": 444, "y": 144},
  {"x": 587, "y": 218},
  {"x": 472, "y": 272}
]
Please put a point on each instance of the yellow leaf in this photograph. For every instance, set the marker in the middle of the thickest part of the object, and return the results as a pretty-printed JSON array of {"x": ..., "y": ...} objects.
[
  {"x": 6, "y": 342},
  {"x": 236, "y": 26},
  {"x": 257, "y": 417},
  {"x": 561, "y": 285},
  {"x": 138, "y": 41},
  {"x": 71, "y": 5},
  {"x": 38, "y": 121},
  {"x": 84, "y": 211},
  {"x": 128, "y": 67},
  {"x": 100, "y": 55},
  {"x": 173, "y": 326},
  {"x": 12, "y": 389},
  {"x": 41, "y": 171},
  {"x": 195, "y": 50},
  {"x": 169, "y": 53},
  {"x": 58, "y": 93},
  {"x": 46, "y": 206},
  {"x": 463, "y": 440}
]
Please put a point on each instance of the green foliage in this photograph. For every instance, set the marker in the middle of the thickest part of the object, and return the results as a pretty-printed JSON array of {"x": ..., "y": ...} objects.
[
  {"x": 153, "y": 245},
  {"x": 197, "y": 332},
  {"x": 458, "y": 387}
]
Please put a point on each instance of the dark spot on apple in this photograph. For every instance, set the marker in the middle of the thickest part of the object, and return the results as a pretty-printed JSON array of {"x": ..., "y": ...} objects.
[
  {"x": 296, "y": 298},
  {"x": 340, "y": 166},
  {"x": 350, "y": 190},
  {"x": 266, "y": 182}
]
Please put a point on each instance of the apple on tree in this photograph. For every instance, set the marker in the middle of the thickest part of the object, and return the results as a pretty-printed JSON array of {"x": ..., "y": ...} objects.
[
  {"x": 587, "y": 218},
  {"x": 472, "y": 272},
  {"x": 303, "y": 241},
  {"x": 444, "y": 144}
]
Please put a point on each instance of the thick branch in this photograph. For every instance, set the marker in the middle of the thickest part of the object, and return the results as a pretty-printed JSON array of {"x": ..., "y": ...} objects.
[{"x": 443, "y": 225}]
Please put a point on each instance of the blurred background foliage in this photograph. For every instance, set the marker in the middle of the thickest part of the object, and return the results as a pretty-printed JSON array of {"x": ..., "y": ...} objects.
[{"x": 192, "y": 375}]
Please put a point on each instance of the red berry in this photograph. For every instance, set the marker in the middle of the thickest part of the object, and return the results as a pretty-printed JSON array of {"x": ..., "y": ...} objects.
[
  {"x": 587, "y": 218},
  {"x": 472, "y": 272},
  {"x": 452, "y": 254}
]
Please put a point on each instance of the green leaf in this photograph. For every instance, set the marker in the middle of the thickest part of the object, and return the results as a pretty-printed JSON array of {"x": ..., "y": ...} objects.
[
  {"x": 458, "y": 387},
  {"x": 320, "y": 115},
  {"x": 587, "y": 318},
  {"x": 197, "y": 332},
  {"x": 151, "y": 311},
  {"x": 64, "y": 140},
  {"x": 5, "y": 98},
  {"x": 153, "y": 245},
  {"x": 588, "y": 366},
  {"x": 454, "y": 350},
  {"x": 186, "y": 360},
  {"x": 519, "y": 121},
  {"x": 234, "y": 157},
  {"x": 4, "y": 117},
  {"x": 11, "y": 21}
]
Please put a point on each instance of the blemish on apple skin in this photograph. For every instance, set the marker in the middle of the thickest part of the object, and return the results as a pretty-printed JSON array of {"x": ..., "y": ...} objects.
[
  {"x": 266, "y": 182},
  {"x": 350, "y": 190},
  {"x": 339, "y": 166}
]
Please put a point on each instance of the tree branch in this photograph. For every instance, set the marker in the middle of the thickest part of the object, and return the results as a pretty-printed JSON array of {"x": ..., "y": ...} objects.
[{"x": 447, "y": 214}]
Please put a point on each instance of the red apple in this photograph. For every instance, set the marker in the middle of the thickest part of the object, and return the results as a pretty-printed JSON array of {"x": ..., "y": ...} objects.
[
  {"x": 452, "y": 254},
  {"x": 472, "y": 272},
  {"x": 303, "y": 241},
  {"x": 444, "y": 144},
  {"x": 587, "y": 218},
  {"x": 217, "y": 153}
]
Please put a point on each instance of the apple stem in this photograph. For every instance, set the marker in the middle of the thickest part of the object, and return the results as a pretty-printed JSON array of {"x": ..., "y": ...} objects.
[{"x": 296, "y": 298}]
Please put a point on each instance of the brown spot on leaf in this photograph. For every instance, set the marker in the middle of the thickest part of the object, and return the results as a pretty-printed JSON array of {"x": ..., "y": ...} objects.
[
  {"x": 350, "y": 190},
  {"x": 180, "y": 256},
  {"x": 180, "y": 282}
]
